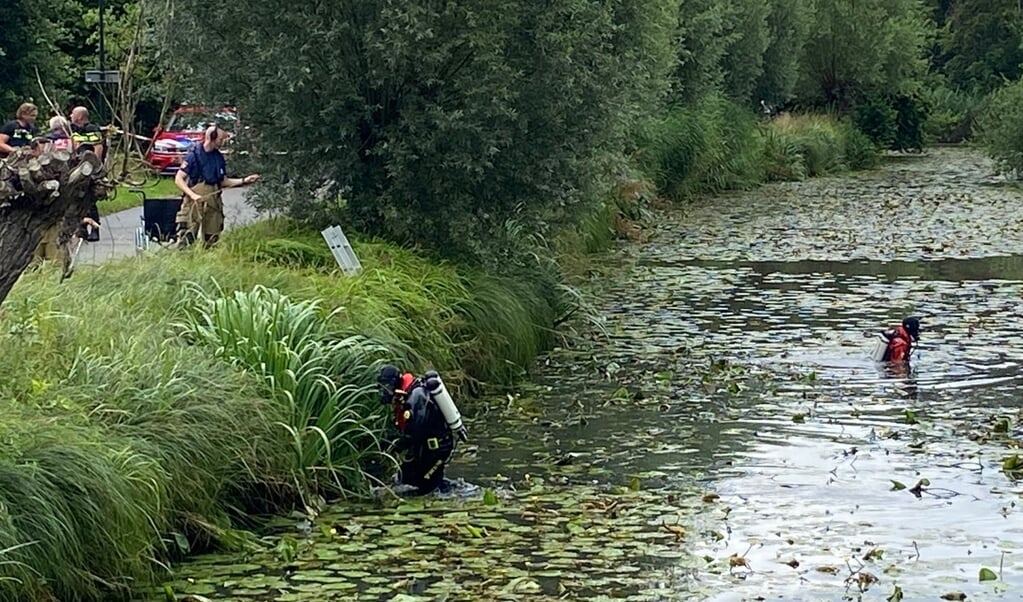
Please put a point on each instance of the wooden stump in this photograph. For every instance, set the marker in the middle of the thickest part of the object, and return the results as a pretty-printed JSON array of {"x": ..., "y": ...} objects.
[{"x": 38, "y": 190}]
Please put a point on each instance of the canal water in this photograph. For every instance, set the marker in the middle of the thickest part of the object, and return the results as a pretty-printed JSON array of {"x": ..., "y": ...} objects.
[{"x": 721, "y": 433}]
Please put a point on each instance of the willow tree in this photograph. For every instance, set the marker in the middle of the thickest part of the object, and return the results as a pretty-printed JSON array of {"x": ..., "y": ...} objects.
[
  {"x": 856, "y": 48},
  {"x": 38, "y": 191},
  {"x": 434, "y": 123}
]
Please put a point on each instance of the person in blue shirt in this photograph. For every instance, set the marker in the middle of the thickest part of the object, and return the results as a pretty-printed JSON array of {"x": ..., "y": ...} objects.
[{"x": 201, "y": 177}]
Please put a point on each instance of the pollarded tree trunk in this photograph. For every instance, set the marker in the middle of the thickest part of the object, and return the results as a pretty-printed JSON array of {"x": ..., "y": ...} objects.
[{"x": 38, "y": 190}]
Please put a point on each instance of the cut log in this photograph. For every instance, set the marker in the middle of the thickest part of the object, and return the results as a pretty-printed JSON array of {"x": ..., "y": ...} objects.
[
  {"x": 28, "y": 186},
  {"x": 80, "y": 173}
]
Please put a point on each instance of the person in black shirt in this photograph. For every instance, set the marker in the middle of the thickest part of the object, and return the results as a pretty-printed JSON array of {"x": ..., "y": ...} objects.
[
  {"x": 86, "y": 136},
  {"x": 19, "y": 132}
]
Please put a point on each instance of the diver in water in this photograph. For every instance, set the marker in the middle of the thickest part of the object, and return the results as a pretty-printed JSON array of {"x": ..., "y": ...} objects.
[
  {"x": 427, "y": 422},
  {"x": 894, "y": 347},
  {"x": 901, "y": 340}
]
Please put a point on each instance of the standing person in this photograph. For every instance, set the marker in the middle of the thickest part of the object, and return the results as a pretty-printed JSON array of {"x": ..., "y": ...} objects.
[
  {"x": 19, "y": 132},
  {"x": 201, "y": 177},
  {"x": 60, "y": 134},
  {"x": 86, "y": 136}
]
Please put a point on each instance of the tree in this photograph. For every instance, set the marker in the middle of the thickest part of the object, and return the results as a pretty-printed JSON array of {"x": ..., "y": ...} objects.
[
  {"x": 748, "y": 38},
  {"x": 28, "y": 42},
  {"x": 703, "y": 25},
  {"x": 435, "y": 124},
  {"x": 37, "y": 192},
  {"x": 981, "y": 44},
  {"x": 788, "y": 25},
  {"x": 862, "y": 48}
]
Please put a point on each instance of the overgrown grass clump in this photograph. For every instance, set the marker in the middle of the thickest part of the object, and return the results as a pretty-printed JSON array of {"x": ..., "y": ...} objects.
[
  {"x": 115, "y": 448},
  {"x": 804, "y": 146},
  {"x": 715, "y": 145},
  {"x": 147, "y": 404}
]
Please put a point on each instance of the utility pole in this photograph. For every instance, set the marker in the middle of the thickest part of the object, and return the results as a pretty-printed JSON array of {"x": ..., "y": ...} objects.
[{"x": 102, "y": 61}]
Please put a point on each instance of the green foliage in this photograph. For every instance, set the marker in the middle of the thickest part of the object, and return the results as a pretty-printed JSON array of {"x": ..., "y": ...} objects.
[
  {"x": 951, "y": 113},
  {"x": 718, "y": 145},
  {"x": 1000, "y": 126},
  {"x": 788, "y": 24},
  {"x": 436, "y": 124},
  {"x": 748, "y": 39},
  {"x": 980, "y": 44},
  {"x": 28, "y": 41},
  {"x": 708, "y": 147},
  {"x": 325, "y": 381},
  {"x": 703, "y": 24},
  {"x": 892, "y": 121},
  {"x": 815, "y": 145},
  {"x": 868, "y": 47},
  {"x": 112, "y": 439}
]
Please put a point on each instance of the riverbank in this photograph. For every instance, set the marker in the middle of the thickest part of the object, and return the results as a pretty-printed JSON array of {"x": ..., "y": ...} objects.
[
  {"x": 173, "y": 396},
  {"x": 143, "y": 412}
]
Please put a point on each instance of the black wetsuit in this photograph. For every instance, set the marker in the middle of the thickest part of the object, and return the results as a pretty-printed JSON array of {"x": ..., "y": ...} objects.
[{"x": 427, "y": 443}]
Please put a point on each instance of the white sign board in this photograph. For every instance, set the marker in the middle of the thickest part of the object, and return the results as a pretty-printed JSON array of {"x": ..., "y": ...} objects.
[{"x": 342, "y": 250}]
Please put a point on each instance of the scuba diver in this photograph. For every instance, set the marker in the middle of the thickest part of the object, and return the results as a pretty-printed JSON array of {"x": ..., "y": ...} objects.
[
  {"x": 427, "y": 422},
  {"x": 896, "y": 344}
]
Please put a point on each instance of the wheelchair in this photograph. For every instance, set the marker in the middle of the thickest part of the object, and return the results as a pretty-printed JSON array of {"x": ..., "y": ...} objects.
[{"x": 157, "y": 223}]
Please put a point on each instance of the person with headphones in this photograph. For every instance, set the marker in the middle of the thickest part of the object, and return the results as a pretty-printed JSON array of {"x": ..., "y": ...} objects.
[{"x": 201, "y": 177}]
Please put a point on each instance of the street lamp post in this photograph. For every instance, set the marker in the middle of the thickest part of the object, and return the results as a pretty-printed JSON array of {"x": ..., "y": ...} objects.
[{"x": 102, "y": 58}]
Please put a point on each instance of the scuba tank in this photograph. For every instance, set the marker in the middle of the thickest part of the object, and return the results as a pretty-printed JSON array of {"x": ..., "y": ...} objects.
[
  {"x": 880, "y": 347},
  {"x": 447, "y": 405}
]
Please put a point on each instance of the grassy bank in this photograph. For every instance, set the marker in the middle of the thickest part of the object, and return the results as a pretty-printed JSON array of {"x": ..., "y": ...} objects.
[
  {"x": 151, "y": 406},
  {"x": 145, "y": 404}
]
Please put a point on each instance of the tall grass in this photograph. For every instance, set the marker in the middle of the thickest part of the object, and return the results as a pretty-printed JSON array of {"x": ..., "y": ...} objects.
[
  {"x": 706, "y": 147},
  {"x": 106, "y": 455},
  {"x": 715, "y": 145},
  {"x": 800, "y": 146},
  {"x": 323, "y": 380}
]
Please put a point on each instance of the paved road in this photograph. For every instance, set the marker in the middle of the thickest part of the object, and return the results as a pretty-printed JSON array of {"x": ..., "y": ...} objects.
[{"x": 117, "y": 235}]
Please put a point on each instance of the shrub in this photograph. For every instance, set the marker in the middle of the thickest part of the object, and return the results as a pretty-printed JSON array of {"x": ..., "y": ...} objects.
[{"x": 1000, "y": 126}]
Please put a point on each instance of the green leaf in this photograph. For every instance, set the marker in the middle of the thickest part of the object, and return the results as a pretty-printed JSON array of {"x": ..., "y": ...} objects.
[
  {"x": 634, "y": 484},
  {"x": 897, "y": 486},
  {"x": 182, "y": 542},
  {"x": 988, "y": 575},
  {"x": 896, "y": 595},
  {"x": 489, "y": 498}
]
